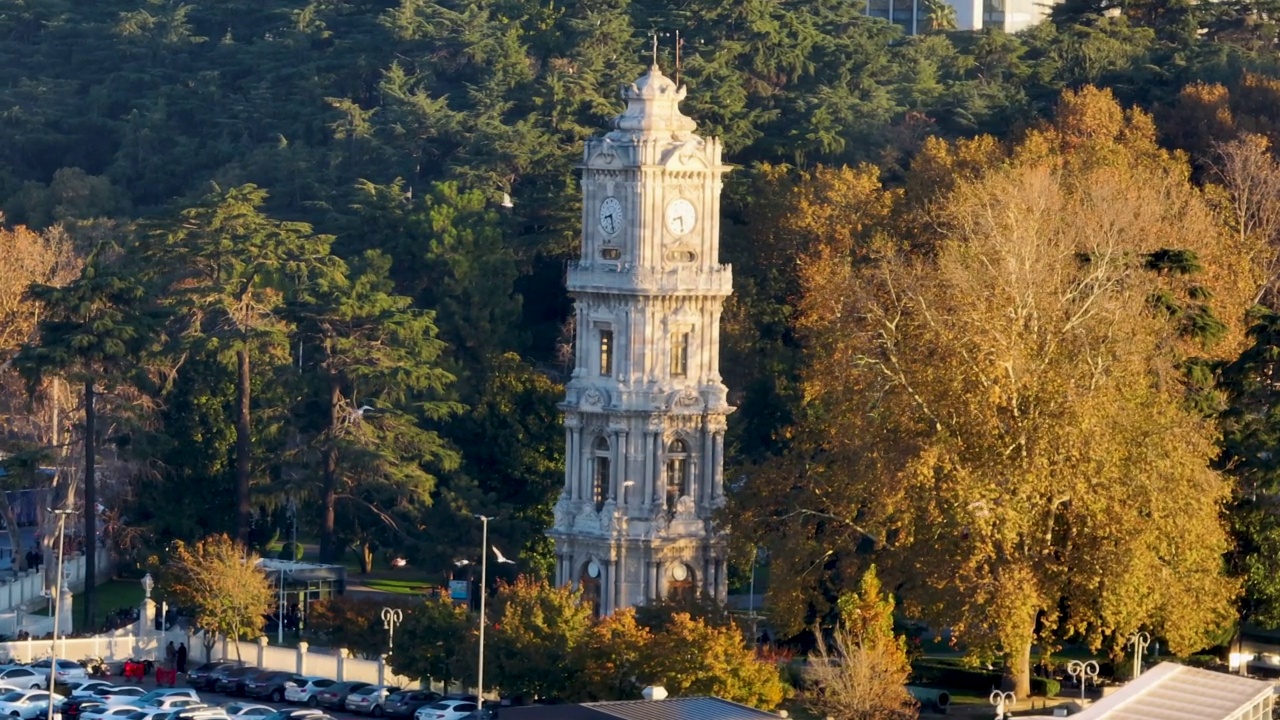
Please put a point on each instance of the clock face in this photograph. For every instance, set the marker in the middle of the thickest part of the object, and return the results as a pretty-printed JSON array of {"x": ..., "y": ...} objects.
[
  {"x": 610, "y": 216},
  {"x": 679, "y": 572},
  {"x": 681, "y": 216}
]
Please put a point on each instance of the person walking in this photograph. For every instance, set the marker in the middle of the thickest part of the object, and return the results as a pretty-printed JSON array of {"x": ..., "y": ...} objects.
[
  {"x": 182, "y": 657},
  {"x": 170, "y": 655}
]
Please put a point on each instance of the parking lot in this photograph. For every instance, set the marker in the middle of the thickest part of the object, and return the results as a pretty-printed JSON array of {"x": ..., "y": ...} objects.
[{"x": 213, "y": 698}]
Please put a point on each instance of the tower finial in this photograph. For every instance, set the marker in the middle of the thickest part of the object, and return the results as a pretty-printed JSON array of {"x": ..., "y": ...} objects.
[{"x": 655, "y": 49}]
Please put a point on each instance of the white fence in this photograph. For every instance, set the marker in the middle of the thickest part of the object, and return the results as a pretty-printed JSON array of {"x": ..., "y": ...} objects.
[
  {"x": 28, "y": 586},
  {"x": 108, "y": 648},
  {"x": 336, "y": 664}
]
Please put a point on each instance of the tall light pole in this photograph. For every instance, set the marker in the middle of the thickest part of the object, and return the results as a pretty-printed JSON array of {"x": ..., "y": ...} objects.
[
  {"x": 280, "y": 607},
  {"x": 57, "y": 602},
  {"x": 484, "y": 568},
  {"x": 390, "y": 618},
  {"x": 999, "y": 699},
  {"x": 1083, "y": 670},
  {"x": 751, "y": 597},
  {"x": 1139, "y": 642}
]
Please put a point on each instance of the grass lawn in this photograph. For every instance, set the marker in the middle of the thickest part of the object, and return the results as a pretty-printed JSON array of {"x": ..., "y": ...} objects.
[
  {"x": 111, "y": 596},
  {"x": 403, "y": 587}
]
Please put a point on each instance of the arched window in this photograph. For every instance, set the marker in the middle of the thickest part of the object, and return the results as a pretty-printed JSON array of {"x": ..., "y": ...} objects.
[
  {"x": 677, "y": 472},
  {"x": 600, "y": 472}
]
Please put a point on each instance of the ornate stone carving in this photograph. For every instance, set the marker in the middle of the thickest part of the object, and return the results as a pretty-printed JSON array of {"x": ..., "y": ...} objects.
[
  {"x": 593, "y": 397},
  {"x": 686, "y": 509},
  {"x": 563, "y": 511}
]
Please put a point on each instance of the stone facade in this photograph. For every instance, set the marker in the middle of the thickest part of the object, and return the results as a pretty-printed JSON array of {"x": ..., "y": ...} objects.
[{"x": 645, "y": 409}]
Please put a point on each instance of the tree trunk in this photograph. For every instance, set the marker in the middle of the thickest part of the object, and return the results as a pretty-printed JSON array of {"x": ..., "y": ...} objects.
[
  {"x": 329, "y": 493},
  {"x": 366, "y": 558},
  {"x": 243, "y": 446},
  {"x": 1020, "y": 671},
  {"x": 90, "y": 503},
  {"x": 15, "y": 532}
]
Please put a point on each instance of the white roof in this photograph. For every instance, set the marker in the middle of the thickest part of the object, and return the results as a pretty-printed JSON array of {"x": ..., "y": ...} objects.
[{"x": 1176, "y": 692}]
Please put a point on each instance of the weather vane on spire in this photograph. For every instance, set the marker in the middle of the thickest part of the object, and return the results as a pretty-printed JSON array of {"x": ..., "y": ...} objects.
[{"x": 655, "y": 48}]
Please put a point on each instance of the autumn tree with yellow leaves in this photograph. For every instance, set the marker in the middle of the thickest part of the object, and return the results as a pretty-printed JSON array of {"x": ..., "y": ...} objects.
[
  {"x": 219, "y": 580},
  {"x": 997, "y": 402}
]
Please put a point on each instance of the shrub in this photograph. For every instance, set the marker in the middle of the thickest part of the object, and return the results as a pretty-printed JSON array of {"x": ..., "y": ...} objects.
[
  {"x": 1045, "y": 687},
  {"x": 290, "y": 551}
]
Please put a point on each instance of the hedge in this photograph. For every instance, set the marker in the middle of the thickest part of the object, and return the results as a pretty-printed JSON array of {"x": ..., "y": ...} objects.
[{"x": 1045, "y": 687}]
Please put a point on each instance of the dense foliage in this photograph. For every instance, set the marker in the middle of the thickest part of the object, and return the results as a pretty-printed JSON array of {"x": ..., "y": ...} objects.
[{"x": 310, "y": 192}]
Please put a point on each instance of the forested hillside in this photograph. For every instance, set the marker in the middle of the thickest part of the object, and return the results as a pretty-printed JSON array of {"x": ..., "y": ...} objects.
[{"x": 369, "y": 144}]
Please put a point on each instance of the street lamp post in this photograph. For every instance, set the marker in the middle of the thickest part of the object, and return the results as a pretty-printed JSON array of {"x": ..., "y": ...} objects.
[
  {"x": 390, "y": 618},
  {"x": 998, "y": 699},
  {"x": 280, "y": 606},
  {"x": 751, "y": 596},
  {"x": 1083, "y": 670},
  {"x": 57, "y": 601},
  {"x": 1139, "y": 642},
  {"x": 484, "y": 567}
]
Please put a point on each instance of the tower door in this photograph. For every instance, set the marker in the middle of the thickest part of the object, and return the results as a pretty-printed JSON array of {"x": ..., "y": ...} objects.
[
  {"x": 590, "y": 584},
  {"x": 681, "y": 584}
]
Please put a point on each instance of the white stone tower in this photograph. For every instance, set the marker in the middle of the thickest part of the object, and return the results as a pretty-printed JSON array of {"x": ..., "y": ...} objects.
[{"x": 645, "y": 410}]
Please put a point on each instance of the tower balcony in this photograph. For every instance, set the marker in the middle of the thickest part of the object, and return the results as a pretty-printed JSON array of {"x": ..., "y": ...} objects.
[{"x": 621, "y": 278}]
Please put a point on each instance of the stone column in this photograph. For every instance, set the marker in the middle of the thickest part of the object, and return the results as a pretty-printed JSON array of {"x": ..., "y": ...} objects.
[
  {"x": 573, "y": 455},
  {"x": 303, "y": 645},
  {"x": 342, "y": 664},
  {"x": 382, "y": 669},
  {"x": 262, "y": 651}
]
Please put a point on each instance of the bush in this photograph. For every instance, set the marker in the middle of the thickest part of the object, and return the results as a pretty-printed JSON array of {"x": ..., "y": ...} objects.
[
  {"x": 1045, "y": 687},
  {"x": 290, "y": 551},
  {"x": 955, "y": 677}
]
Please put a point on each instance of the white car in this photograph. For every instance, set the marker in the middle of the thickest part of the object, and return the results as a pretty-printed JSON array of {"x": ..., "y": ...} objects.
[
  {"x": 27, "y": 703},
  {"x": 67, "y": 671},
  {"x": 445, "y": 710},
  {"x": 119, "y": 695},
  {"x": 170, "y": 703},
  {"x": 247, "y": 710},
  {"x": 112, "y": 712},
  {"x": 303, "y": 689},
  {"x": 151, "y": 713},
  {"x": 85, "y": 688},
  {"x": 23, "y": 678},
  {"x": 156, "y": 698}
]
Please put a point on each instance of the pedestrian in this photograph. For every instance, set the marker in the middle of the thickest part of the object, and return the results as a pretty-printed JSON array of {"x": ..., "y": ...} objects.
[
  {"x": 182, "y": 657},
  {"x": 170, "y": 655}
]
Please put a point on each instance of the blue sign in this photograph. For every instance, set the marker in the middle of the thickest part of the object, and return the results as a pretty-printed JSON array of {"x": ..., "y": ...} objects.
[{"x": 458, "y": 589}]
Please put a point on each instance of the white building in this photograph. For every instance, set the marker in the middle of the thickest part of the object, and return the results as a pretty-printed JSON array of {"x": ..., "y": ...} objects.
[
  {"x": 645, "y": 409},
  {"x": 1007, "y": 15}
]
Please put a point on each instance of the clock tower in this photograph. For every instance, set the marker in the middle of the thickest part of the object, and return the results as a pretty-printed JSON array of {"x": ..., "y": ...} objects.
[{"x": 645, "y": 409}]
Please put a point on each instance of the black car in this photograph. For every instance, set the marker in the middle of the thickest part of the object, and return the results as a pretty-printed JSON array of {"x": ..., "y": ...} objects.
[
  {"x": 75, "y": 707},
  {"x": 232, "y": 681},
  {"x": 206, "y": 676},
  {"x": 268, "y": 684},
  {"x": 406, "y": 702}
]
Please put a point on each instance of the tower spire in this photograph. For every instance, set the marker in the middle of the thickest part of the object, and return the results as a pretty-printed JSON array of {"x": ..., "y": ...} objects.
[{"x": 655, "y": 49}]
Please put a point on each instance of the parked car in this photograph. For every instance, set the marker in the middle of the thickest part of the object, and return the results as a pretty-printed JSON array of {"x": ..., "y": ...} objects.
[
  {"x": 108, "y": 712},
  {"x": 202, "y": 678},
  {"x": 406, "y": 702},
  {"x": 232, "y": 681},
  {"x": 24, "y": 678},
  {"x": 247, "y": 710},
  {"x": 150, "y": 713},
  {"x": 27, "y": 704},
  {"x": 119, "y": 695},
  {"x": 197, "y": 712},
  {"x": 488, "y": 712},
  {"x": 369, "y": 700},
  {"x": 297, "y": 714},
  {"x": 336, "y": 694},
  {"x": 67, "y": 670},
  {"x": 267, "y": 684},
  {"x": 220, "y": 673},
  {"x": 303, "y": 689},
  {"x": 85, "y": 688},
  {"x": 159, "y": 696},
  {"x": 171, "y": 702},
  {"x": 446, "y": 710},
  {"x": 73, "y": 708}
]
